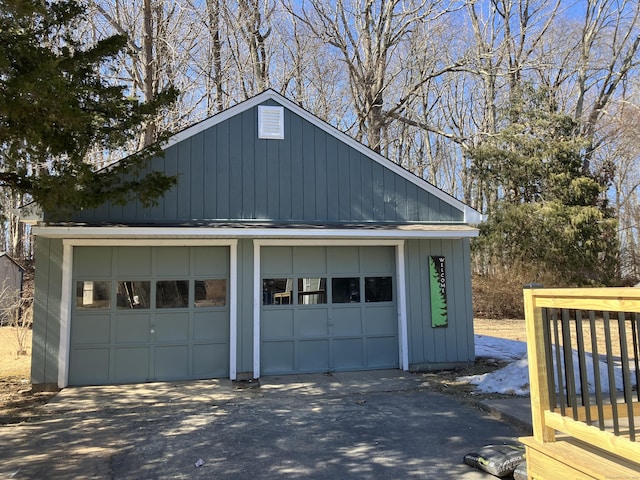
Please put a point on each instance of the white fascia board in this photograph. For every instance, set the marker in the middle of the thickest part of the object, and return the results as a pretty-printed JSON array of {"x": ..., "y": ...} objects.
[
  {"x": 189, "y": 235},
  {"x": 471, "y": 216}
]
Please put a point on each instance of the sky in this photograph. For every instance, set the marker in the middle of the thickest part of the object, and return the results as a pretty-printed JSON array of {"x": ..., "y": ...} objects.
[{"x": 513, "y": 379}]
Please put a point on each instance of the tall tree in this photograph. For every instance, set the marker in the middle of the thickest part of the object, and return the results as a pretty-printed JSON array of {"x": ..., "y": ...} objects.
[
  {"x": 368, "y": 34},
  {"x": 549, "y": 214},
  {"x": 55, "y": 107},
  {"x": 608, "y": 53}
]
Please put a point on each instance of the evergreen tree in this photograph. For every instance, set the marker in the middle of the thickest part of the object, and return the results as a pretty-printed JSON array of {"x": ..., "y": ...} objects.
[
  {"x": 544, "y": 212},
  {"x": 55, "y": 107}
]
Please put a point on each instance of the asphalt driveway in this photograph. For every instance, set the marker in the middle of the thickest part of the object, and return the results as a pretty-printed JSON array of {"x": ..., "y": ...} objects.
[{"x": 366, "y": 425}]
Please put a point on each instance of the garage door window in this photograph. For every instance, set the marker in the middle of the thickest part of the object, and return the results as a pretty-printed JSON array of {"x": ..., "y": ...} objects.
[
  {"x": 93, "y": 295},
  {"x": 312, "y": 291},
  {"x": 172, "y": 294},
  {"x": 210, "y": 293},
  {"x": 134, "y": 294},
  {"x": 378, "y": 289},
  {"x": 345, "y": 290},
  {"x": 277, "y": 291}
]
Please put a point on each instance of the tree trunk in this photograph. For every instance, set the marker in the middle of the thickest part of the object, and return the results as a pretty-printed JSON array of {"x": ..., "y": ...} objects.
[{"x": 149, "y": 69}]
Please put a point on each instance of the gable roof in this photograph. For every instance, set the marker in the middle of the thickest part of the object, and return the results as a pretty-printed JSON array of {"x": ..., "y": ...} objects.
[{"x": 471, "y": 216}]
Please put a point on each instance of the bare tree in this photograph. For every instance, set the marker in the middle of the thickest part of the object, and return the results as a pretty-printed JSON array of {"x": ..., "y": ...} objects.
[
  {"x": 16, "y": 311},
  {"x": 621, "y": 151},
  {"x": 248, "y": 44},
  {"x": 215, "y": 87},
  {"x": 608, "y": 52},
  {"x": 163, "y": 37},
  {"x": 368, "y": 35}
]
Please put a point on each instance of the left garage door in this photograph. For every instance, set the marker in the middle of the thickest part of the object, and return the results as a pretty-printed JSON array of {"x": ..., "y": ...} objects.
[{"x": 144, "y": 314}]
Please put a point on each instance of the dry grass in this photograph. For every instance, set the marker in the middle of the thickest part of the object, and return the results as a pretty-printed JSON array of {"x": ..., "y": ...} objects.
[
  {"x": 12, "y": 364},
  {"x": 504, "y": 328},
  {"x": 17, "y": 402},
  {"x": 515, "y": 330}
]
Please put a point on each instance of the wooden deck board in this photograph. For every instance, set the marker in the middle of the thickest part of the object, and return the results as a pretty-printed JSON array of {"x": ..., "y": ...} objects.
[{"x": 571, "y": 458}]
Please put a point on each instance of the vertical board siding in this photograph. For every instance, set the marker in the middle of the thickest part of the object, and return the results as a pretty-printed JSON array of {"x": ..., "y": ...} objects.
[
  {"x": 184, "y": 194},
  {"x": 453, "y": 344},
  {"x": 226, "y": 173},
  {"x": 46, "y": 312},
  {"x": 197, "y": 176},
  {"x": 285, "y": 197},
  {"x": 172, "y": 197},
  {"x": 333, "y": 201},
  {"x": 273, "y": 169},
  {"x": 389, "y": 195},
  {"x": 377, "y": 191},
  {"x": 297, "y": 148},
  {"x": 320, "y": 174},
  {"x": 342, "y": 174},
  {"x": 223, "y": 138},
  {"x": 246, "y": 197},
  {"x": 366, "y": 193},
  {"x": 235, "y": 170},
  {"x": 355, "y": 185},
  {"x": 40, "y": 300},
  {"x": 308, "y": 172}
]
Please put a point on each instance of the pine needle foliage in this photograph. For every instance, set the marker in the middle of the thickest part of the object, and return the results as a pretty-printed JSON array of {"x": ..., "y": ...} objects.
[
  {"x": 544, "y": 212},
  {"x": 55, "y": 107}
]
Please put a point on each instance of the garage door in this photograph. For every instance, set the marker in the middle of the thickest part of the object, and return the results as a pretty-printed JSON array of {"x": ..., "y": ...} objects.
[
  {"x": 328, "y": 309},
  {"x": 149, "y": 313}
]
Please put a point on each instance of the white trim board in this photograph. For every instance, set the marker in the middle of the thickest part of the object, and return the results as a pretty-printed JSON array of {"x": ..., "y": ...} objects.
[
  {"x": 188, "y": 235},
  {"x": 401, "y": 288},
  {"x": 67, "y": 293},
  {"x": 66, "y": 299}
]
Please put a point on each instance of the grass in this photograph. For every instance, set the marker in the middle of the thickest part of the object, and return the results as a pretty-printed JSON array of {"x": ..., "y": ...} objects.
[
  {"x": 515, "y": 330},
  {"x": 12, "y": 364}
]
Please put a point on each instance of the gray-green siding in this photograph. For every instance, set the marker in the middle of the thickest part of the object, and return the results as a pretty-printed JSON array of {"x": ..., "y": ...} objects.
[
  {"x": 46, "y": 311},
  {"x": 454, "y": 344},
  {"x": 427, "y": 347},
  {"x": 227, "y": 173}
]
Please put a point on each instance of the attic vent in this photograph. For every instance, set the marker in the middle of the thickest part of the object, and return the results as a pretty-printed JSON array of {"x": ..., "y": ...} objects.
[{"x": 270, "y": 122}]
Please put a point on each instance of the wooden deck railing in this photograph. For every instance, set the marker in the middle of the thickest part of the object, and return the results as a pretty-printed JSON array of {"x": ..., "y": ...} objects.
[{"x": 584, "y": 355}]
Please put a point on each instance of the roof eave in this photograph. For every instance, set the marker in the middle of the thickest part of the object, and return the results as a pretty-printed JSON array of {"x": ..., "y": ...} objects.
[{"x": 186, "y": 233}]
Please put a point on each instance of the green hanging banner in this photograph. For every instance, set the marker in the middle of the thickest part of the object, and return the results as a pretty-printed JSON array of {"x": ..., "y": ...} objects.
[{"x": 438, "y": 290}]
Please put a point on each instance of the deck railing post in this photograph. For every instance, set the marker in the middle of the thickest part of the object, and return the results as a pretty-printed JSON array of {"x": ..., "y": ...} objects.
[{"x": 537, "y": 368}]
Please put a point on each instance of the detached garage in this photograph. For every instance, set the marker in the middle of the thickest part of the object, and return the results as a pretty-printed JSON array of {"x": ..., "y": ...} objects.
[{"x": 286, "y": 247}]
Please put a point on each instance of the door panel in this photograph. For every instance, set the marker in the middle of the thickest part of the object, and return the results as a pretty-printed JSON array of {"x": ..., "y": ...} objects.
[
  {"x": 172, "y": 327},
  {"x": 313, "y": 355},
  {"x": 131, "y": 364}
]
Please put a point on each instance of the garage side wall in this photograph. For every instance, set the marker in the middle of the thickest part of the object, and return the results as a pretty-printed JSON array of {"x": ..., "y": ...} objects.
[
  {"x": 46, "y": 313},
  {"x": 443, "y": 347}
]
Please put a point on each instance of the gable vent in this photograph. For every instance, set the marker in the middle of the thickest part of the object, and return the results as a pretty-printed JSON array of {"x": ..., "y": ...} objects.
[{"x": 270, "y": 122}]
